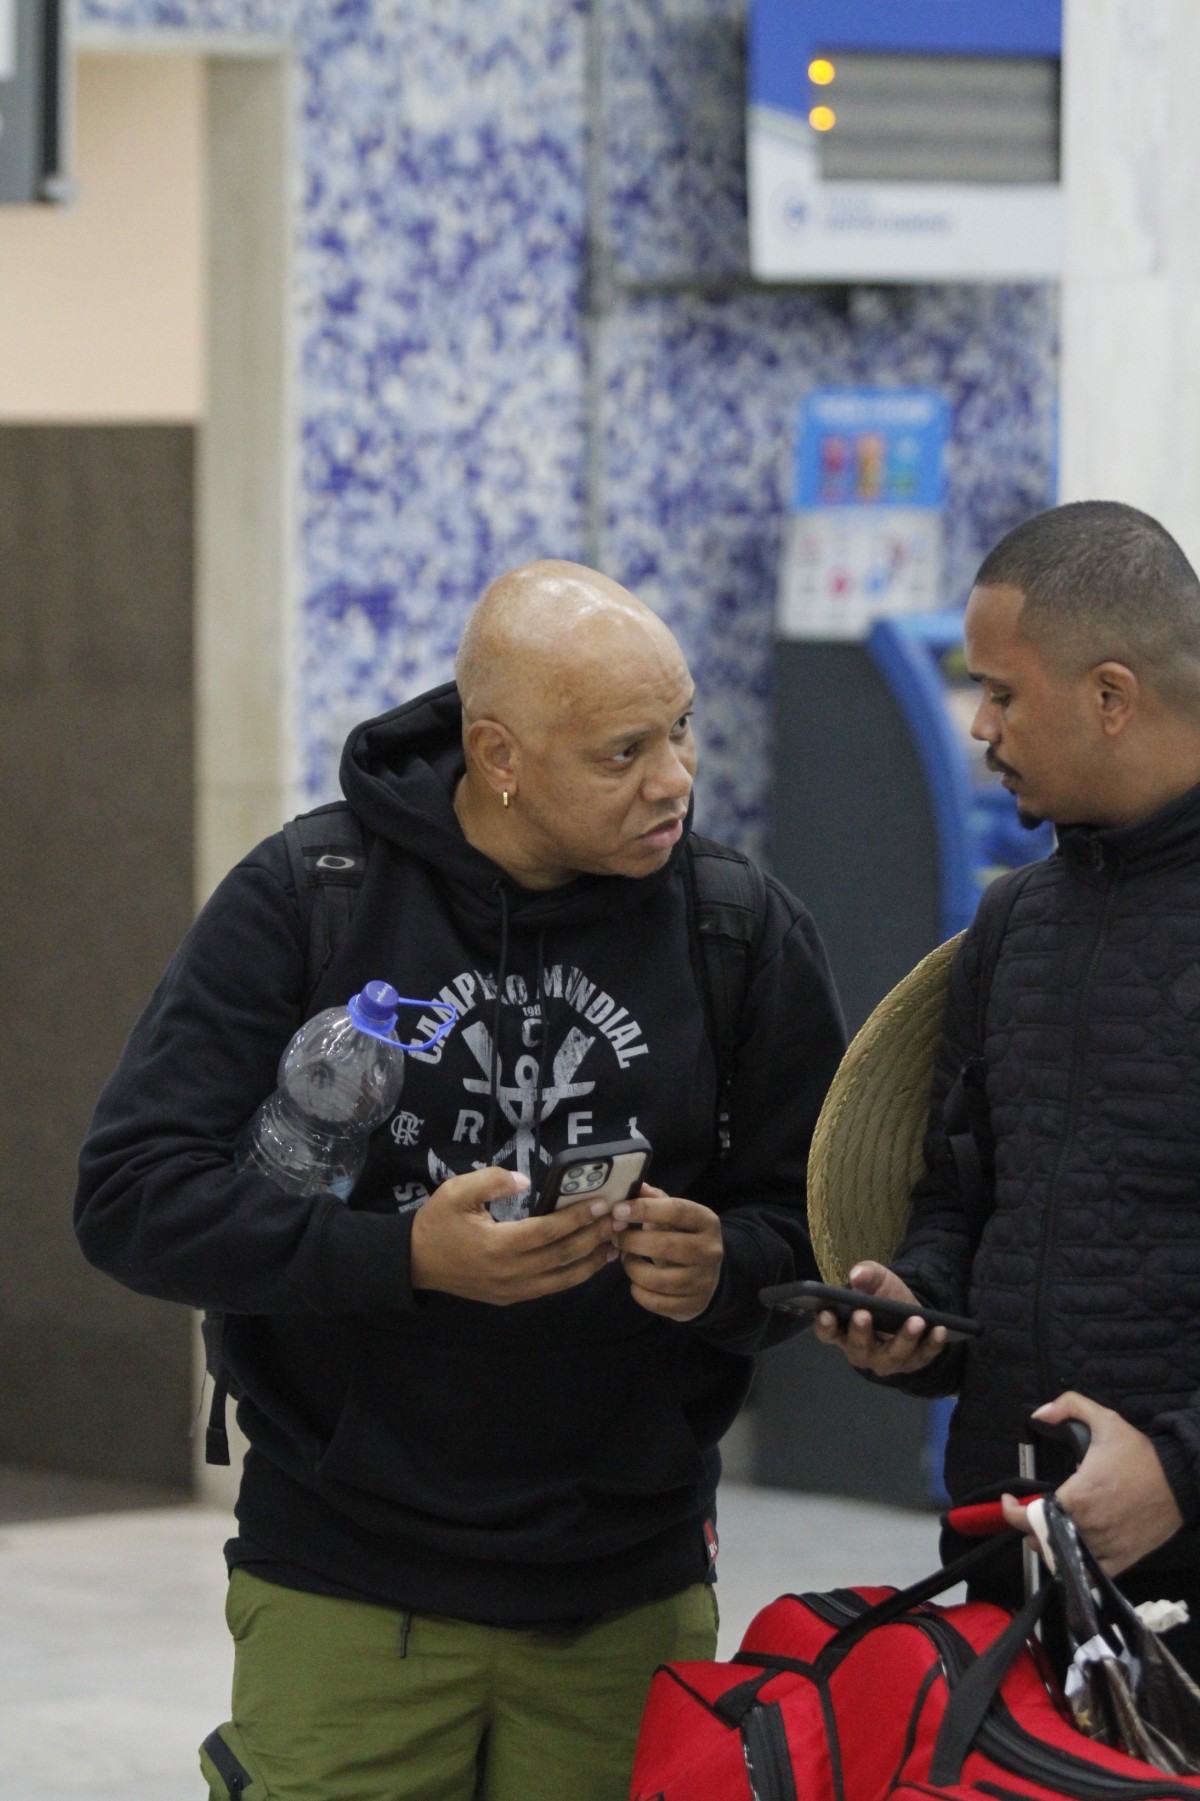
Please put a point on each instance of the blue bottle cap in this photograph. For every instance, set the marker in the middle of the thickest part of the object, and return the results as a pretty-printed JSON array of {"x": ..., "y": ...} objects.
[{"x": 374, "y": 1008}]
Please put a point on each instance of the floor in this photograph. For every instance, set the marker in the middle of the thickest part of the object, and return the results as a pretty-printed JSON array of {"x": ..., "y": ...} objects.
[{"x": 114, "y": 1661}]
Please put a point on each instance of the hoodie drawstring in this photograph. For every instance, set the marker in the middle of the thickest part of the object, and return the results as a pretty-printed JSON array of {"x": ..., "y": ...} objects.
[
  {"x": 543, "y": 1040},
  {"x": 489, "y": 1137}
]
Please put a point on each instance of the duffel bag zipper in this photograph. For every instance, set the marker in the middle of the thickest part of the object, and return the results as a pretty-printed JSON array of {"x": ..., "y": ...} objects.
[
  {"x": 1003, "y": 1738},
  {"x": 979, "y": 1788},
  {"x": 765, "y": 1749},
  {"x": 1001, "y": 1793},
  {"x": 838, "y": 1607}
]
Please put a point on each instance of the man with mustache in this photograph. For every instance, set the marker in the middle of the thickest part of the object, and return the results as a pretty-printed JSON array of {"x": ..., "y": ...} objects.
[
  {"x": 1083, "y": 633},
  {"x": 478, "y": 1507}
]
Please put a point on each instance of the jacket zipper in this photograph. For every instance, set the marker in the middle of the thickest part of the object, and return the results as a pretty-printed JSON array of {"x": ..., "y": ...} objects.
[{"x": 1049, "y": 1388}]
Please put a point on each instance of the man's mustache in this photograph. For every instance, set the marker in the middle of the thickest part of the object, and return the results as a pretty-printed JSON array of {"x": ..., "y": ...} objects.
[{"x": 996, "y": 766}]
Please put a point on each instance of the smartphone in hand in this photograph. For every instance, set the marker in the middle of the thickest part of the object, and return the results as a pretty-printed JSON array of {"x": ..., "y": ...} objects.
[
  {"x": 594, "y": 1172},
  {"x": 811, "y": 1298}
]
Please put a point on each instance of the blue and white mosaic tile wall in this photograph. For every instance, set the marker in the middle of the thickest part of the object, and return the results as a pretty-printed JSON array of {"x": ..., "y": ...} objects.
[
  {"x": 700, "y": 395},
  {"x": 443, "y": 376},
  {"x": 450, "y": 153},
  {"x": 439, "y": 264},
  {"x": 701, "y": 375}
]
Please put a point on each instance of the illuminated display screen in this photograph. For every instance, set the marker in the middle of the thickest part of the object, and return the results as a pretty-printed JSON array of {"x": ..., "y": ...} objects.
[
  {"x": 890, "y": 117},
  {"x": 904, "y": 140}
]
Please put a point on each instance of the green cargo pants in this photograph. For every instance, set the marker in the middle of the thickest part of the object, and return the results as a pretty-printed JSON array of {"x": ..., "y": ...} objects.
[{"x": 343, "y": 1701}]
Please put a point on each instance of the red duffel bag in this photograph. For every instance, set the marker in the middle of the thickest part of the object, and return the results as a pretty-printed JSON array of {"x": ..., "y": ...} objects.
[{"x": 861, "y": 1694}]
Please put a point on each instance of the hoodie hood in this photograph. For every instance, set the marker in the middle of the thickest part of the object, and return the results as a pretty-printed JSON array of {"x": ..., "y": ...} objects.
[{"x": 399, "y": 773}]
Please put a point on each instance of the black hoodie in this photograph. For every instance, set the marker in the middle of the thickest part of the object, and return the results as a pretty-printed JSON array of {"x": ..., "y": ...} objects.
[{"x": 539, "y": 1462}]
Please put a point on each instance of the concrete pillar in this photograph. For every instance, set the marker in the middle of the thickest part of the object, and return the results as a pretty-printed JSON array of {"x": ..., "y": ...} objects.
[{"x": 1130, "y": 395}]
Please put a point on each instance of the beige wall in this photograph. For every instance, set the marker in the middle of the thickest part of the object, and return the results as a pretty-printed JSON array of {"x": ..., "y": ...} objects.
[{"x": 102, "y": 302}]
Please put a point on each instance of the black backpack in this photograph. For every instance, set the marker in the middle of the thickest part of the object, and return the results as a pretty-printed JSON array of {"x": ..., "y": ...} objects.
[{"x": 726, "y": 898}]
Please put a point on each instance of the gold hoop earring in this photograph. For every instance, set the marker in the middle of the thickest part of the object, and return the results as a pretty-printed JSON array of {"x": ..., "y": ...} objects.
[{"x": 504, "y": 796}]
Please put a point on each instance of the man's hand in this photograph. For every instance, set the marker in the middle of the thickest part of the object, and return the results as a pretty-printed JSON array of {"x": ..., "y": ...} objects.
[
  {"x": 673, "y": 1260},
  {"x": 1118, "y": 1497},
  {"x": 459, "y": 1249},
  {"x": 884, "y": 1354}
]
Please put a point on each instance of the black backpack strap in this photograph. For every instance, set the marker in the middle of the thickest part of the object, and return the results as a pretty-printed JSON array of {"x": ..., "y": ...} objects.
[
  {"x": 965, "y": 1112},
  {"x": 969, "y": 1135},
  {"x": 727, "y": 911},
  {"x": 216, "y": 1436},
  {"x": 216, "y": 1433},
  {"x": 327, "y": 857},
  {"x": 327, "y": 853}
]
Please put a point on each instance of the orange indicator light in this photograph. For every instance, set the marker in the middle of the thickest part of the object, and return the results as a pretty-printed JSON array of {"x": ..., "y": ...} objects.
[
  {"x": 821, "y": 71},
  {"x": 822, "y": 118}
]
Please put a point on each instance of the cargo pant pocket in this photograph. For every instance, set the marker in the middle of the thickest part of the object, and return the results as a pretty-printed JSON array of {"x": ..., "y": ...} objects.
[{"x": 226, "y": 1767}]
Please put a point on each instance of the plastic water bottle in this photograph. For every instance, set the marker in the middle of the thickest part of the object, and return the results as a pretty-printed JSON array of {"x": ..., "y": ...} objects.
[{"x": 339, "y": 1078}]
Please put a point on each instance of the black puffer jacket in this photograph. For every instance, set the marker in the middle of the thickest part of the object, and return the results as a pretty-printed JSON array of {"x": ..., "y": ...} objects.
[{"x": 1087, "y": 1275}]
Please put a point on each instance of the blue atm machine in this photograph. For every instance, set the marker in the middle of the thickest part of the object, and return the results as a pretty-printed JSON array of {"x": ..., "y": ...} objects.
[{"x": 889, "y": 825}]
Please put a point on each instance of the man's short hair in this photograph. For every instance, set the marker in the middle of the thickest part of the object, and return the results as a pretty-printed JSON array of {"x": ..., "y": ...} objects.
[{"x": 1104, "y": 582}]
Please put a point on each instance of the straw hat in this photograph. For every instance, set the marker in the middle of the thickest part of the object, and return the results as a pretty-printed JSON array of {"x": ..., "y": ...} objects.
[{"x": 866, "y": 1150}]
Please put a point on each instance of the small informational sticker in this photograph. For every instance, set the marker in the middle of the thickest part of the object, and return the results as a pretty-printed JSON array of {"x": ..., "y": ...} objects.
[
  {"x": 864, "y": 538},
  {"x": 8, "y": 39}
]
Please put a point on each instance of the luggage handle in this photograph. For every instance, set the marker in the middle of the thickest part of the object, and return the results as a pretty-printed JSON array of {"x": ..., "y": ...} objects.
[
  {"x": 984, "y": 1519},
  {"x": 1073, "y": 1434},
  {"x": 1075, "y": 1437},
  {"x": 982, "y": 1514}
]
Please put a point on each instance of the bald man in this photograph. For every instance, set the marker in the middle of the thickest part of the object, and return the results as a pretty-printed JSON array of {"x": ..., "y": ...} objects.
[{"x": 479, "y": 1503}]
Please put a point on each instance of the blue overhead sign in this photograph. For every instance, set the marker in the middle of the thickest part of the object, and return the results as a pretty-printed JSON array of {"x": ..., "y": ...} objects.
[
  {"x": 904, "y": 140},
  {"x": 786, "y": 34}
]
